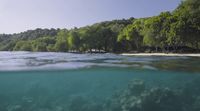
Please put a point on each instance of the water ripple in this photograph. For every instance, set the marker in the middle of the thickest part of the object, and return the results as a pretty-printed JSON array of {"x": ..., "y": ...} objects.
[{"x": 49, "y": 61}]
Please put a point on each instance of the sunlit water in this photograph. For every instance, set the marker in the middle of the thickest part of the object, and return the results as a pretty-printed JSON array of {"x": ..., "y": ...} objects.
[{"x": 98, "y": 82}]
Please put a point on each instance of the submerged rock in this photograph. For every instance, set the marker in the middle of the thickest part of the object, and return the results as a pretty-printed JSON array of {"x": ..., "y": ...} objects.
[
  {"x": 136, "y": 87},
  {"x": 161, "y": 99},
  {"x": 137, "y": 98},
  {"x": 14, "y": 108}
]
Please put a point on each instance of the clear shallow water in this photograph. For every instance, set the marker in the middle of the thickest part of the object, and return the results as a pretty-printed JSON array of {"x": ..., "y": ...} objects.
[{"x": 97, "y": 82}]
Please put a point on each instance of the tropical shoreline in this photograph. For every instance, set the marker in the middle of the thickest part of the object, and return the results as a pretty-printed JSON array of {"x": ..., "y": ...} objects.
[
  {"x": 161, "y": 54},
  {"x": 126, "y": 54}
]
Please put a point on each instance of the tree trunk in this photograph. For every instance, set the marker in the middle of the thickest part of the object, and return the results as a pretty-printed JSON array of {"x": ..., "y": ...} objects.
[
  {"x": 156, "y": 49},
  {"x": 197, "y": 45}
]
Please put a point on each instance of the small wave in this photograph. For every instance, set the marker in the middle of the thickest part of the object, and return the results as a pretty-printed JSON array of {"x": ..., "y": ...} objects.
[{"x": 10, "y": 61}]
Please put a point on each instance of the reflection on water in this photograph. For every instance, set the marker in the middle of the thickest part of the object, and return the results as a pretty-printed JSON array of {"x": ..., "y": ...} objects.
[
  {"x": 54, "y": 61},
  {"x": 95, "y": 82}
]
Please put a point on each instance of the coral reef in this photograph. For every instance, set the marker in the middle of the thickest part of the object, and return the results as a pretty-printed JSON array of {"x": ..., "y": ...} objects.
[
  {"x": 136, "y": 97},
  {"x": 139, "y": 98}
]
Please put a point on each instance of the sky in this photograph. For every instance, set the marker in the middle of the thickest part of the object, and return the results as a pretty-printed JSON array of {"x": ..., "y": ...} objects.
[{"x": 21, "y": 15}]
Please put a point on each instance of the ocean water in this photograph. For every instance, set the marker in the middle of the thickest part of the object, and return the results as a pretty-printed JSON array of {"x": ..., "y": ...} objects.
[{"x": 36, "y": 81}]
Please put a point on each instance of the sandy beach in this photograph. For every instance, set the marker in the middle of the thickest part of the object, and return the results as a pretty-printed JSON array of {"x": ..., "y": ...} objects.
[{"x": 160, "y": 54}]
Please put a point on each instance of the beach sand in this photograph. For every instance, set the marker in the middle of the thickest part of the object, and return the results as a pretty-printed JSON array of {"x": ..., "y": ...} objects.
[{"x": 161, "y": 54}]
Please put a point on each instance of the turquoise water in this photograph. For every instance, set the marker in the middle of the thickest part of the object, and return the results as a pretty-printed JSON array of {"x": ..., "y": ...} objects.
[{"x": 98, "y": 82}]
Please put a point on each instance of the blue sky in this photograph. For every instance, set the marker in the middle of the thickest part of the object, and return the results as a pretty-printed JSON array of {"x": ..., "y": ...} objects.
[{"x": 21, "y": 15}]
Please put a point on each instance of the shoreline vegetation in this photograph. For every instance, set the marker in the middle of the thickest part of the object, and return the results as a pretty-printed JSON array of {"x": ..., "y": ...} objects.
[
  {"x": 169, "y": 32},
  {"x": 134, "y": 54}
]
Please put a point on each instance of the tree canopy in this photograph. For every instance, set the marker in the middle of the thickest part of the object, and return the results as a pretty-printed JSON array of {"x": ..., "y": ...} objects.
[{"x": 169, "y": 31}]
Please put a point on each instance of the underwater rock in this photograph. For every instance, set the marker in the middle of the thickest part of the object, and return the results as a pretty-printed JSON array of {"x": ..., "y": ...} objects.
[
  {"x": 132, "y": 103},
  {"x": 130, "y": 99},
  {"x": 27, "y": 99},
  {"x": 161, "y": 99},
  {"x": 137, "y": 98},
  {"x": 14, "y": 108},
  {"x": 136, "y": 87}
]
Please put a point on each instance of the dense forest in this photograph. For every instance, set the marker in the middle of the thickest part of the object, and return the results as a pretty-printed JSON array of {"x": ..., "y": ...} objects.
[{"x": 176, "y": 31}]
